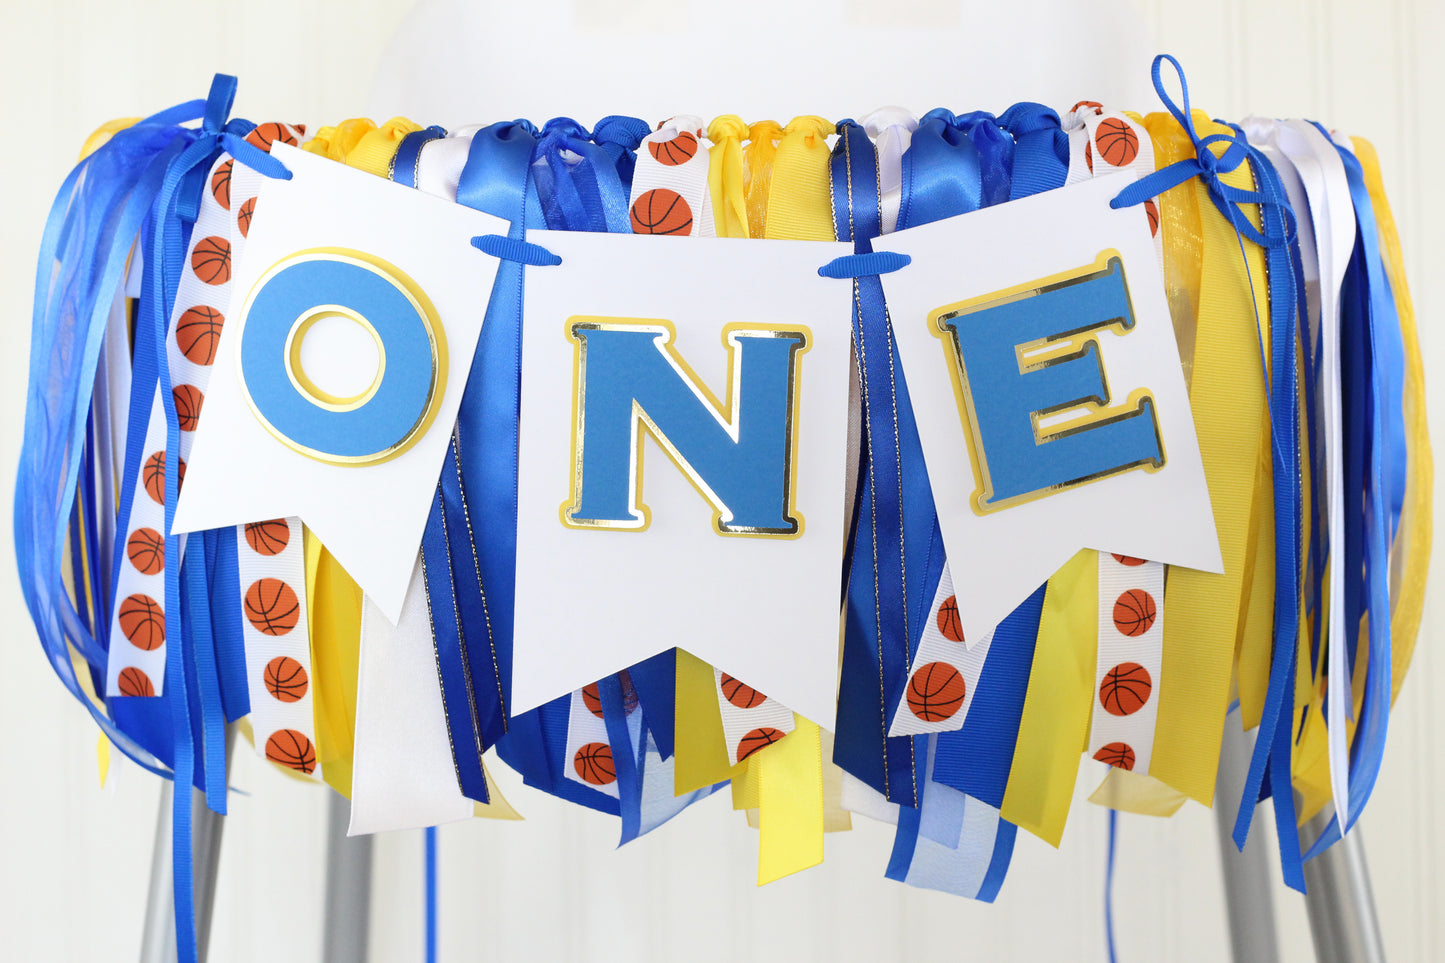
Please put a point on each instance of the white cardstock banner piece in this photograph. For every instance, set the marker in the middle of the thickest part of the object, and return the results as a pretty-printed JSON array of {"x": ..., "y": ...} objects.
[
  {"x": 369, "y": 512},
  {"x": 1001, "y": 549},
  {"x": 681, "y": 564}
]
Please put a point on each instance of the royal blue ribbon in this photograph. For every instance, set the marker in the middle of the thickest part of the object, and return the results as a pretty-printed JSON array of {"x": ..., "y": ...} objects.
[
  {"x": 1276, "y": 235},
  {"x": 895, "y": 528}
]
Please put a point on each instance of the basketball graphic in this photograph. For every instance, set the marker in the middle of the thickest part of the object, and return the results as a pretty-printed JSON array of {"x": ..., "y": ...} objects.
[
  {"x": 1134, "y": 612},
  {"x": 592, "y": 699},
  {"x": 673, "y": 152},
  {"x": 740, "y": 695},
  {"x": 221, "y": 185},
  {"x": 153, "y": 476},
  {"x": 268, "y": 538},
  {"x": 272, "y": 607},
  {"x": 1118, "y": 754},
  {"x": 146, "y": 550},
  {"x": 1125, "y": 689},
  {"x": 593, "y": 763},
  {"x": 758, "y": 739},
  {"x": 1118, "y": 144},
  {"x": 188, "y": 400},
  {"x": 211, "y": 260},
  {"x": 243, "y": 216},
  {"x": 1151, "y": 210},
  {"x": 1089, "y": 156},
  {"x": 1126, "y": 559},
  {"x": 267, "y": 134},
  {"x": 134, "y": 682},
  {"x": 198, "y": 331},
  {"x": 948, "y": 621},
  {"x": 661, "y": 211},
  {"x": 291, "y": 748},
  {"x": 936, "y": 691},
  {"x": 286, "y": 678},
  {"x": 142, "y": 622},
  {"x": 1098, "y": 108}
]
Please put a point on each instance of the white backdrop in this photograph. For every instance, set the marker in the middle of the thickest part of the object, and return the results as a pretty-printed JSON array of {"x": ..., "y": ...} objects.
[{"x": 74, "y": 857}]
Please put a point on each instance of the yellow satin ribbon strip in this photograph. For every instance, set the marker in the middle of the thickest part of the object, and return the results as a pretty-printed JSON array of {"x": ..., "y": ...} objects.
[
  {"x": 725, "y": 175},
  {"x": 374, "y": 151},
  {"x": 790, "y": 803},
  {"x": 334, "y": 617},
  {"x": 700, "y": 747},
  {"x": 1202, "y": 619},
  {"x": 1054, "y": 727},
  {"x": 1411, "y": 553},
  {"x": 497, "y": 807},
  {"x": 337, "y": 142}
]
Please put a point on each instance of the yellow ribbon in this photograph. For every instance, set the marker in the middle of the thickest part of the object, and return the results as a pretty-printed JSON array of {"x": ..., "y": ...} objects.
[
  {"x": 758, "y": 172},
  {"x": 800, "y": 200},
  {"x": 1202, "y": 617},
  {"x": 1054, "y": 725},
  {"x": 337, "y": 142},
  {"x": 725, "y": 175}
]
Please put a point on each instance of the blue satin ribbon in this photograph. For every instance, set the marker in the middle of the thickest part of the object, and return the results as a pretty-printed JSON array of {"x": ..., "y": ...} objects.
[
  {"x": 896, "y": 529},
  {"x": 1276, "y": 235},
  {"x": 1373, "y": 379}
]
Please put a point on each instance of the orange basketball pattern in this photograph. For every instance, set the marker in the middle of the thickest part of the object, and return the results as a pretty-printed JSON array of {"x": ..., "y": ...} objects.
[
  {"x": 268, "y": 538},
  {"x": 198, "y": 332},
  {"x": 661, "y": 211},
  {"x": 211, "y": 260},
  {"x": 949, "y": 622},
  {"x": 1125, "y": 689},
  {"x": 1118, "y": 143},
  {"x": 745, "y": 709},
  {"x": 943, "y": 672},
  {"x": 286, "y": 679},
  {"x": 188, "y": 399},
  {"x": 1119, "y": 754},
  {"x": 243, "y": 216},
  {"x": 936, "y": 691},
  {"x": 143, "y": 622},
  {"x": 1127, "y": 666},
  {"x": 270, "y": 133},
  {"x": 1134, "y": 612},
  {"x": 134, "y": 682},
  {"x": 293, "y": 749},
  {"x": 756, "y": 741},
  {"x": 594, "y": 765},
  {"x": 271, "y": 606},
  {"x": 670, "y": 193},
  {"x": 671, "y": 153},
  {"x": 221, "y": 184},
  {"x": 146, "y": 550}
]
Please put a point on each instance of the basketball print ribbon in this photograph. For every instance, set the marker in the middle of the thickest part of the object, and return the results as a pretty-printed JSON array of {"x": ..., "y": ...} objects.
[
  {"x": 670, "y": 193},
  {"x": 1130, "y": 613},
  {"x": 271, "y": 564}
]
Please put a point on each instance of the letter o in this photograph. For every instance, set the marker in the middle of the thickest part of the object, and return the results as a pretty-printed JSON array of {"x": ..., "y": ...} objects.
[{"x": 388, "y": 417}]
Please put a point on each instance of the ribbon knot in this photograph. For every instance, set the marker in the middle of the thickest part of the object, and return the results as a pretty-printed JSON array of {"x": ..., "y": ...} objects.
[
  {"x": 727, "y": 127},
  {"x": 769, "y": 130},
  {"x": 1210, "y": 168}
]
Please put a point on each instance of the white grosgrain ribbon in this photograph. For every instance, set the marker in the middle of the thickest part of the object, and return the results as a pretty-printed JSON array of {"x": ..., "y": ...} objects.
[
  {"x": 1127, "y": 672},
  {"x": 672, "y": 169},
  {"x": 271, "y": 562}
]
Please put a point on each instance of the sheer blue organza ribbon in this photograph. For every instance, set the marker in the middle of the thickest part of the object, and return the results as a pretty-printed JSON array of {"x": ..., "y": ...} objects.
[
  {"x": 1276, "y": 235},
  {"x": 145, "y": 185}
]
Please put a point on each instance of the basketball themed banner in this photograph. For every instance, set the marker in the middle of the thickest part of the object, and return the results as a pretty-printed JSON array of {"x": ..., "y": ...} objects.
[
  {"x": 1048, "y": 393},
  {"x": 331, "y": 431},
  {"x": 658, "y": 425},
  {"x": 661, "y": 452}
]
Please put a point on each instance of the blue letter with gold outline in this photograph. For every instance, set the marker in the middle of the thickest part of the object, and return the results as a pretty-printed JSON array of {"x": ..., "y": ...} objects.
[
  {"x": 739, "y": 455},
  {"x": 1031, "y": 387}
]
